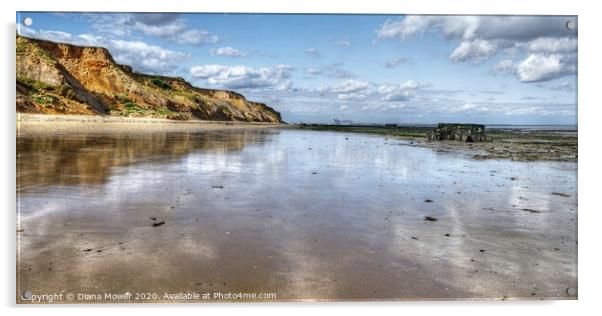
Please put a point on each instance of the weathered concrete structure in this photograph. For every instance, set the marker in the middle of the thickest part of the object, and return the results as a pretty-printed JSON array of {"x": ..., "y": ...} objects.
[{"x": 458, "y": 132}]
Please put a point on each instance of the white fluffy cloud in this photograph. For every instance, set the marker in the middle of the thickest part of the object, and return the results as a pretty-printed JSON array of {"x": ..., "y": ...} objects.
[
  {"x": 475, "y": 51},
  {"x": 349, "y": 90},
  {"x": 354, "y": 90},
  {"x": 538, "y": 67},
  {"x": 90, "y": 40},
  {"x": 402, "y": 92},
  {"x": 241, "y": 77},
  {"x": 145, "y": 57},
  {"x": 469, "y": 107},
  {"x": 227, "y": 51},
  {"x": 545, "y": 41},
  {"x": 350, "y": 86},
  {"x": 504, "y": 66}
]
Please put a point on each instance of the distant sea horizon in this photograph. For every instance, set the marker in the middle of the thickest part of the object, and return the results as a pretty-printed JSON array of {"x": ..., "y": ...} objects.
[{"x": 489, "y": 126}]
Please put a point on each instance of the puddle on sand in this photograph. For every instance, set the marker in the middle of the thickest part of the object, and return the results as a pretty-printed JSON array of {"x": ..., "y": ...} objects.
[{"x": 303, "y": 214}]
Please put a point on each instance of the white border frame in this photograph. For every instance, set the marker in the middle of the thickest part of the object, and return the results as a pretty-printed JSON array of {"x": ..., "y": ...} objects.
[{"x": 588, "y": 118}]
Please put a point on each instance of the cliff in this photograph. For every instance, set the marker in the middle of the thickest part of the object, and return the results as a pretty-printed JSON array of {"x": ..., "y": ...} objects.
[{"x": 55, "y": 78}]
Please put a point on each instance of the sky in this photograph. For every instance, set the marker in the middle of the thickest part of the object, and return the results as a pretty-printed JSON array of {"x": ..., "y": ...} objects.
[{"x": 364, "y": 68}]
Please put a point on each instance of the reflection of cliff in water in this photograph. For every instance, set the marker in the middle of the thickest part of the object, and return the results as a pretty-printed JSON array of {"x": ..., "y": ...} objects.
[{"x": 85, "y": 159}]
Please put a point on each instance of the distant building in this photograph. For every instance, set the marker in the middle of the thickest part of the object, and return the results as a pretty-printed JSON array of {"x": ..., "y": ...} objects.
[{"x": 342, "y": 122}]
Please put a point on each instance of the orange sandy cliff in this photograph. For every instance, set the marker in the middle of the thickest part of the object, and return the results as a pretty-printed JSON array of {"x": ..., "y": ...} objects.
[{"x": 55, "y": 78}]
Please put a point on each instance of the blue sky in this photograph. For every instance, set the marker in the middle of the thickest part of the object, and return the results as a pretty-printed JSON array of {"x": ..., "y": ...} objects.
[{"x": 365, "y": 68}]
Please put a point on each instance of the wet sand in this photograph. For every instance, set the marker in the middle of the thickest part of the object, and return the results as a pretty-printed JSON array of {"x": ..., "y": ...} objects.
[
  {"x": 306, "y": 215},
  {"x": 519, "y": 143}
]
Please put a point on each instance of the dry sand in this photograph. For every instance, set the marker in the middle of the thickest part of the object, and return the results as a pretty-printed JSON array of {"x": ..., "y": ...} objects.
[{"x": 68, "y": 124}]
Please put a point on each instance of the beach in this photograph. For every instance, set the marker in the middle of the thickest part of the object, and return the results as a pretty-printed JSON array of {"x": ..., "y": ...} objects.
[{"x": 305, "y": 215}]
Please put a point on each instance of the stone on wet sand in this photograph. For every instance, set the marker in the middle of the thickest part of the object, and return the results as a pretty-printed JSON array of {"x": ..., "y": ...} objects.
[{"x": 531, "y": 210}]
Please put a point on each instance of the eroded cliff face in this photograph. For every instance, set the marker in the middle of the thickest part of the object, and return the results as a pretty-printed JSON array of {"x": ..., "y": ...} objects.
[{"x": 58, "y": 78}]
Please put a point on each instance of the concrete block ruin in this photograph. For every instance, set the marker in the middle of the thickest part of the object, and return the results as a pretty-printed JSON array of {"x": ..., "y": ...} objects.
[{"x": 458, "y": 132}]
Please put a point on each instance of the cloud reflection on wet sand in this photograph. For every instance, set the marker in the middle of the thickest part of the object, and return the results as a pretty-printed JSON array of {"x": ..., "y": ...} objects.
[{"x": 307, "y": 215}]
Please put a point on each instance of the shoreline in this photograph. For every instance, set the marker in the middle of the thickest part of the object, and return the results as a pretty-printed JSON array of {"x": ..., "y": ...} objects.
[
  {"x": 513, "y": 144},
  {"x": 90, "y": 124}
]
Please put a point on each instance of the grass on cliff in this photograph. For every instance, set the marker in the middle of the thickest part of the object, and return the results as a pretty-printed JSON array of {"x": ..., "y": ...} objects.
[
  {"x": 39, "y": 88},
  {"x": 128, "y": 107},
  {"x": 43, "y": 99},
  {"x": 131, "y": 108},
  {"x": 48, "y": 96},
  {"x": 161, "y": 84},
  {"x": 35, "y": 85},
  {"x": 50, "y": 101}
]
